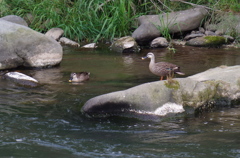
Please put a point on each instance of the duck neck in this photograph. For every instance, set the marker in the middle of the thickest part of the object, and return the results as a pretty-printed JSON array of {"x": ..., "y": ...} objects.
[{"x": 152, "y": 61}]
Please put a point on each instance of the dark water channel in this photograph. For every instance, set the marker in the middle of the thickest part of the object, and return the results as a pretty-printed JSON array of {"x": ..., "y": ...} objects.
[{"x": 46, "y": 121}]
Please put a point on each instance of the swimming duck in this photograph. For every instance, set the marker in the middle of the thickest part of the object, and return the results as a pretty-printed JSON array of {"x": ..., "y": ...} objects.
[
  {"x": 162, "y": 69},
  {"x": 79, "y": 77}
]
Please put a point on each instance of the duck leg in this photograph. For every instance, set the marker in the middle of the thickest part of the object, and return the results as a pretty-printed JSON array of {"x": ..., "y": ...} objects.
[{"x": 161, "y": 78}]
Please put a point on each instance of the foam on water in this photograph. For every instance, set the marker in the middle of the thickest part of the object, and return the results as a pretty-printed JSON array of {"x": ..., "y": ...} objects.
[
  {"x": 169, "y": 108},
  {"x": 163, "y": 110}
]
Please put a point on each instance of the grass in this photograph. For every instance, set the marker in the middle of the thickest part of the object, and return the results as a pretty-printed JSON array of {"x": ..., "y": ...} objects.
[
  {"x": 94, "y": 20},
  {"x": 81, "y": 20}
]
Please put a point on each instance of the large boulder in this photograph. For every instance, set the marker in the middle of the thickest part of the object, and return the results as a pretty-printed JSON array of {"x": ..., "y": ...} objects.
[
  {"x": 151, "y": 25},
  {"x": 22, "y": 46},
  {"x": 218, "y": 86}
]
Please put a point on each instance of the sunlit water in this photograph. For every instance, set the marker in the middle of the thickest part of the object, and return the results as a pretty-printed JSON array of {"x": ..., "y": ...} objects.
[{"x": 46, "y": 121}]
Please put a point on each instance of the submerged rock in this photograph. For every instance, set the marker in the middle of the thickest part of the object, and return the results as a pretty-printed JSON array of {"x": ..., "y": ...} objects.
[
  {"x": 21, "y": 79},
  {"x": 216, "y": 87}
]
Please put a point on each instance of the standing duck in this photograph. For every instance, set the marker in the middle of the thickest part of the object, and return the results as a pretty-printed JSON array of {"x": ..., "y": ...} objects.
[
  {"x": 162, "y": 69},
  {"x": 79, "y": 77}
]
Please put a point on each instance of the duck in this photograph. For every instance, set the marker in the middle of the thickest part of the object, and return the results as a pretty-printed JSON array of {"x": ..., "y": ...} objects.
[
  {"x": 162, "y": 69},
  {"x": 79, "y": 76}
]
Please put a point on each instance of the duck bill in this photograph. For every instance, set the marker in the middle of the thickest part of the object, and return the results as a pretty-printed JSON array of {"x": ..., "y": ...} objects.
[
  {"x": 144, "y": 57},
  {"x": 70, "y": 80}
]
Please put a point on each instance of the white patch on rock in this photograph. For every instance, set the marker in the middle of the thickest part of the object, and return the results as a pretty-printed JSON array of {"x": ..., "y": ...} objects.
[
  {"x": 90, "y": 45},
  {"x": 169, "y": 108}
]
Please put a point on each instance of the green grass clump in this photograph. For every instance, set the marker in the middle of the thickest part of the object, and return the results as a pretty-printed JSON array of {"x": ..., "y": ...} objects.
[
  {"x": 98, "y": 19},
  {"x": 80, "y": 19}
]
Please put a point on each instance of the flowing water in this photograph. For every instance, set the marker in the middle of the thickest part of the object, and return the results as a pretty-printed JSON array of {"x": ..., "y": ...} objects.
[{"x": 46, "y": 121}]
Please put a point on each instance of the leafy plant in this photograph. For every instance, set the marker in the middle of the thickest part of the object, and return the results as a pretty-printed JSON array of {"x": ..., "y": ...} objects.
[{"x": 165, "y": 24}]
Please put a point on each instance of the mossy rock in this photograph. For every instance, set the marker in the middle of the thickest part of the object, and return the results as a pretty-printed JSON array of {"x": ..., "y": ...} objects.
[{"x": 207, "y": 41}]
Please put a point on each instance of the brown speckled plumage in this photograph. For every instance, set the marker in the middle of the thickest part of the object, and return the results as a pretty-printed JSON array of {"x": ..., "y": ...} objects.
[
  {"x": 162, "y": 69},
  {"x": 79, "y": 77}
]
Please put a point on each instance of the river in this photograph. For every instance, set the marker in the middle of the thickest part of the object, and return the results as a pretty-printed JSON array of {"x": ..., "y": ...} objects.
[{"x": 46, "y": 121}]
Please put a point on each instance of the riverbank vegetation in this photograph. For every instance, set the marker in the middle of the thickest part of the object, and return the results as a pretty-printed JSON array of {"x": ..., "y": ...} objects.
[{"x": 99, "y": 19}]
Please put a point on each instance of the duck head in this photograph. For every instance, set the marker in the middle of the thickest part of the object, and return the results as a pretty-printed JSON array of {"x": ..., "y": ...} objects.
[{"x": 149, "y": 55}]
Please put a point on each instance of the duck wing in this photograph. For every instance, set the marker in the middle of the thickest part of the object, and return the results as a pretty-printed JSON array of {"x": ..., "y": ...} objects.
[{"x": 166, "y": 68}]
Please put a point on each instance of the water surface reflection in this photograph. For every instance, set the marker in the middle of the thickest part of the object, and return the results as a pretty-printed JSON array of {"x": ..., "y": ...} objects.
[{"x": 46, "y": 121}]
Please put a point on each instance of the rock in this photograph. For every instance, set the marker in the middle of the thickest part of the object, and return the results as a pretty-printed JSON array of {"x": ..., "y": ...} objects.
[
  {"x": 228, "y": 38},
  {"x": 215, "y": 87},
  {"x": 145, "y": 33},
  {"x": 15, "y": 19},
  {"x": 219, "y": 33},
  {"x": 22, "y": 46},
  {"x": 66, "y": 41},
  {"x": 151, "y": 25},
  {"x": 55, "y": 33},
  {"x": 125, "y": 44},
  {"x": 201, "y": 30},
  {"x": 90, "y": 45},
  {"x": 159, "y": 42},
  {"x": 178, "y": 42},
  {"x": 210, "y": 33},
  {"x": 188, "y": 37},
  {"x": 207, "y": 41},
  {"x": 21, "y": 79}
]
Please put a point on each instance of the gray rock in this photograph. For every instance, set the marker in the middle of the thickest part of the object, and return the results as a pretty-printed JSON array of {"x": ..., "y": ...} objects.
[
  {"x": 22, "y": 46},
  {"x": 188, "y": 37},
  {"x": 229, "y": 38},
  {"x": 219, "y": 33},
  {"x": 159, "y": 42},
  {"x": 21, "y": 79},
  {"x": 125, "y": 44},
  {"x": 151, "y": 25},
  {"x": 210, "y": 33},
  {"x": 66, "y": 41},
  {"x": 145, "y": 33},
  {"x": 15, "y": 19},
  {"x": 55, "y": 33},
  {"x": 214, "y": 87},
  {"x": 202, "y": 30},
  {"x": 90, "y": 45},
  {"x": 207, "y": 41}
]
